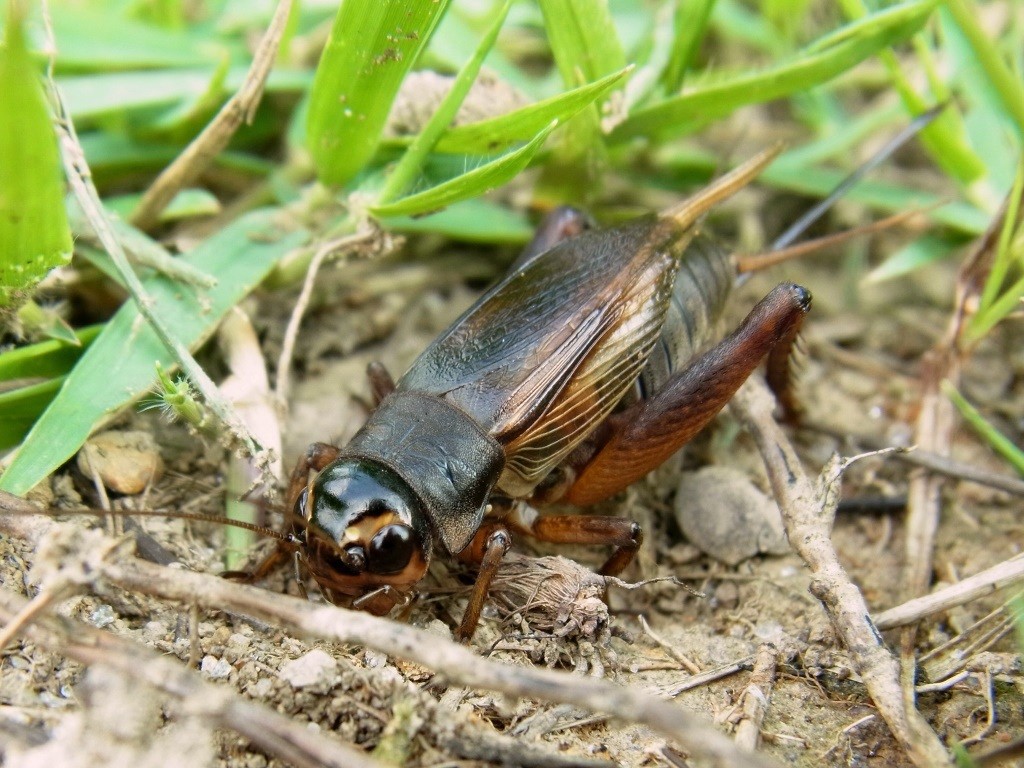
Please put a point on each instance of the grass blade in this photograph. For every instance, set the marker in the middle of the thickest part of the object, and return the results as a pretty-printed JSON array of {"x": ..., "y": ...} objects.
[
  {"x": 586, "y": 47},
  {"x": 828, "y": 57},
  {"x": 691, "y": 22},
  {"x": 401, "y": 178},
  {"x": 471, "y": 221},
  {"x": 466, "y": 185},
  {"x": 239, "y": 256},
  {"x": 34, "y": 232},
  {"x": 1000, "y": 443},
  {"x": 496, "y": 133},
  {"x": 372, "y": 46}
]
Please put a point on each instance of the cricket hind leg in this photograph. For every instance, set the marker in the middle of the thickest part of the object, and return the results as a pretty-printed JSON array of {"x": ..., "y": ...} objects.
[{"x": 647, "y": 433}]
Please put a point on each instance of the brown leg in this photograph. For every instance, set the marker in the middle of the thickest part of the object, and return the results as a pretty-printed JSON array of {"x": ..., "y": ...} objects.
[
  {"x": 381, "y": 383},
  {"x": 644, "y": 436},
  {"x": 498, "y": 544},
  {"x": 623, "y": 534}
]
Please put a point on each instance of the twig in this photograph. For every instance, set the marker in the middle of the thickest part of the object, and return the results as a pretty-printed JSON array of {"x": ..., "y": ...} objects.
[
  {"x": 268, "y": 730},
  {"x": 980, "y": 584},
  {"x": 756, "y": 696},
  {"x": 934, "y": 432},
  {"x": 710, "y": 676},
  {"x": 808, "y": 513},
  {"x": 690, "y": 666},
  {"x": 198, "y": 155},
  {"x": 457, "y": 664},
  {"x": 332, "y": 247}
]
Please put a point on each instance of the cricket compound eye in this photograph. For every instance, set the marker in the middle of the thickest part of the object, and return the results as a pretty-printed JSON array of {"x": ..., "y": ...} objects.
[{"x": 391, "y": 548}]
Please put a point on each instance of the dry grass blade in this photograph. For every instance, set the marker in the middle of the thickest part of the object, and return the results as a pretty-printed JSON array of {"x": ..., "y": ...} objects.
[{"x": 215, "y": 137}]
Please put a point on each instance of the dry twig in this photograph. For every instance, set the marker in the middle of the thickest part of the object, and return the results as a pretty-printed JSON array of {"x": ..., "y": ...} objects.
[
  {"x": 980, "y": 584},
  {"x": 808, "y": 513},
  {"x": 756, "y": 696},
  {"x": 455, "y": 663}
]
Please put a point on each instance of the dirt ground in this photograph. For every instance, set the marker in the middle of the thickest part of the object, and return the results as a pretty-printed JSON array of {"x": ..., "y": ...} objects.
[{"x": 858, "y": 378}]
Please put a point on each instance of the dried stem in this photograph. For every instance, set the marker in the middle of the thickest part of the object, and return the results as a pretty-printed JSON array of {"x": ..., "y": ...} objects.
[
  {"x": 756, "y": 697},
  {"x": 980, "y": 584},
  {"x": 240, "y": 108},
  {"x": 808, "y": 513},
  {"x": 453, "y": 662}
]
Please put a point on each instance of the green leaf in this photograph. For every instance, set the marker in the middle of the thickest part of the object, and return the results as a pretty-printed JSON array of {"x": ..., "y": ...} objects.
[
  {"x": 691, "y": 21},
  {"x": 830, "y": 56},
  {"x": 119, "y": 365},
  {"x": 98, "y": 39},
  {"x": 586, "y": 47},
  {"x": 45, "y": 359},
  {"x": 409, "y": 165},
  {"x": 918, "y": 254},
  {"x": 34, "y": 232},
  {"x": 471, "y": 221},
  {"x": 92, "y": 96},
  {"x": 1000, "y": 443},
  {"x": 522, "y": 124},
  {"x": 583, "y": 38},
  {"x": 373, "y": 44},
  {"x": 21, "y": 408},
  {"x": 467, "y": 185}
]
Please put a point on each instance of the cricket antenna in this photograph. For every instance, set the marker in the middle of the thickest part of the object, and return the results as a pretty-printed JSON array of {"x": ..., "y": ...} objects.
[
  {"x": 782, "y": 249},
  {"x": 9, "y": 503}
]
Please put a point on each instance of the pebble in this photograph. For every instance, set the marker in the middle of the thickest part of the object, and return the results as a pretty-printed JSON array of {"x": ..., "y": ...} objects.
[
  {"x": 214, "y": 668},
  {"x": 126, "y": 461},
  {"x": 724, "y": 514},
  {"x": 317, "y": 666}
]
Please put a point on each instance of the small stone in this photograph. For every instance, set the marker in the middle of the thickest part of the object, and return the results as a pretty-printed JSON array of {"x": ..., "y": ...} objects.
[
  {"x": 315, "y": 667},
  {"x": 725, "y": 515},
  {"x": 126, "y": 462},
  {"x": 102, "y": 616},
  {"x": 239, "y": 641},
  {"x": 214, "y": 668}
]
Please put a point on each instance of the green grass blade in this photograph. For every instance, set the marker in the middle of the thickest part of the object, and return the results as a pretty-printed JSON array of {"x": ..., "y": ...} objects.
[
  {"x": 119, "y": 365},
  {"x": 586, "y": 47},
  {"x": 828, "y": 57},
  {"x": 21, "y": 408},
  {"x": 496, "y": 133},
  {"x": 45, "y": 359},
  {"x": 1006, "y": 85},
  {"x": 471, "y": 221},
  {"x": 405, "y": 171},
  {"x": 691, "y": 23},
  {"x": 1000, "y": 443},
  {"x": 34, "y": 232},
  {"x": 373, "y": 44},
  {"x": 910, "y": 258},
  {"x": 90, "y": 97},
  {"x": 98, "y": 39},
  {"x": 466, "y": 185},
  {"x": 583, "y": 39}
]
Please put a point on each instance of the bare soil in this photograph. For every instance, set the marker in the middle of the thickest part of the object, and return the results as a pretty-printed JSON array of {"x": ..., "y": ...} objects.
[{"x": 858, "y": 378}]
